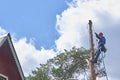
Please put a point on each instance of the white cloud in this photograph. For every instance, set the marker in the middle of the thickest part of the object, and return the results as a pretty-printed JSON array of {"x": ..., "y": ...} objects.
[
  {"x": 72, "y": 27},
  {"x": 2, "y": 31},
  {"x": 29, "y": 56}
]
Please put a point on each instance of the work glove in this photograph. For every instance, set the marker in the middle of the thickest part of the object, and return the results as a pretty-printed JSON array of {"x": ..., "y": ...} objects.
[{"x": 95, "y": 33}]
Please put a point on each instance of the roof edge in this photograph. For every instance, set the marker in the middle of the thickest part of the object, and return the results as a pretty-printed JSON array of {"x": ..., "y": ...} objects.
[
  {"x": 4, "y": 35},
  {"x": 15, "y": 55}
]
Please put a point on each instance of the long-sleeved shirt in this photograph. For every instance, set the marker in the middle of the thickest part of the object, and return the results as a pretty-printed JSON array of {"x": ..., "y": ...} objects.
[{"x": 102, "y": 40}]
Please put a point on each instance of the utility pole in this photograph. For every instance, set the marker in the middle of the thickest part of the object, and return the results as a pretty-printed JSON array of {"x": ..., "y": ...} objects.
[{"x": 91, "y": 65}]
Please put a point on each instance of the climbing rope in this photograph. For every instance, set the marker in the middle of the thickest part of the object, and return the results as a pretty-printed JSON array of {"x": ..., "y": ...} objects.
[
  {"x": 104, "y": 66},
  {"x": 101, "y": 71}
]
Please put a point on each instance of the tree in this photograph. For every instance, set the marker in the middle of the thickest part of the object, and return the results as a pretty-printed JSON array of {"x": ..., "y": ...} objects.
[
  {"x": 63, "y": 66},
  {"x": 40, "y": 74},
  {"x": 69, "y": 63}
]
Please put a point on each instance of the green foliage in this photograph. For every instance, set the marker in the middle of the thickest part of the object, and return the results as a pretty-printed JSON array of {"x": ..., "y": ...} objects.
[
  {"x": 40, "y": 73},
  {"x": 63, "y": 66},
  {"x": 70, "y": 62}
]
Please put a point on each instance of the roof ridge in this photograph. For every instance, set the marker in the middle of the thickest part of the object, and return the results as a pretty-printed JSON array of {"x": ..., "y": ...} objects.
[{"x": 4, "y": 35}]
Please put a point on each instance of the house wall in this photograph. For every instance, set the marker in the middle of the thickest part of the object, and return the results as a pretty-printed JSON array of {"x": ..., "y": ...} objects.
[{"x": 8, "y": 66}]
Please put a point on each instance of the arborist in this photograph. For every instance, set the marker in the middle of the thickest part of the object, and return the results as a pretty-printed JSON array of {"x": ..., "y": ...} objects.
[{"x": 101, "y": 46}]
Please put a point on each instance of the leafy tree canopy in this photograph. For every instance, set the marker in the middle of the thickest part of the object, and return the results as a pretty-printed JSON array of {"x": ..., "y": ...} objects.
[{"x": 67, "y": 64}]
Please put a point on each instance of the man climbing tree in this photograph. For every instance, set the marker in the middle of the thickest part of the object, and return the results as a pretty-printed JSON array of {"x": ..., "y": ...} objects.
[{"x": 101, "y": 46}]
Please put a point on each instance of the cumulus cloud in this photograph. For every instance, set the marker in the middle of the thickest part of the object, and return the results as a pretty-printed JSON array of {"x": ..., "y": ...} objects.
[
  {"x": 72, "y": 23},
  {"x": 2, "y": 31},
  {"x": 28, "y": 55},
  {"x": 72, "y": 26}
]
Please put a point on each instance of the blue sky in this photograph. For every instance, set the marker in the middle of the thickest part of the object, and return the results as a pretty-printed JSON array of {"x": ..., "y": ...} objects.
[
  {"x": 42, "y": 28},
  {"x": 28, "y": 18}
]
